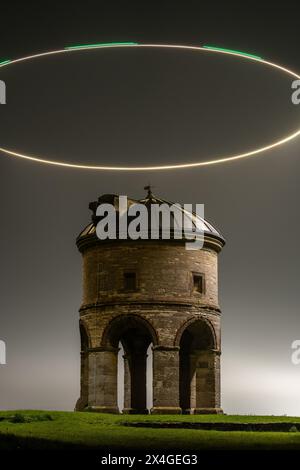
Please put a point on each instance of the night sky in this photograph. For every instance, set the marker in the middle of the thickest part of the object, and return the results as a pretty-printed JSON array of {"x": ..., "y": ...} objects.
[{"x": 150, "y": 107}]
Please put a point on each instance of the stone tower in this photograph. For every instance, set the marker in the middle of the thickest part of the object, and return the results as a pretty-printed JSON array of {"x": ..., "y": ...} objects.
[{"x": 143, "y": 292}]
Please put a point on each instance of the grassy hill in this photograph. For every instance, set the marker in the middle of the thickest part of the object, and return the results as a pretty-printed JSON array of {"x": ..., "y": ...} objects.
[{"x": 69, "y": 430}]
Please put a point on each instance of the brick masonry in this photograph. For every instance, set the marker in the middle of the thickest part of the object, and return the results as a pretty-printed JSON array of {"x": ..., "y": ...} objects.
[{"x": 163, "y": 310}]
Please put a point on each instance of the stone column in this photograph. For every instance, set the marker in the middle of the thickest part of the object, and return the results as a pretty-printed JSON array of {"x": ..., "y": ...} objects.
[
  {"x": 165, "y": 380},
  {"x": 205, "y": 382},
  {"x": 103, "y": 368},
  {"x": 84, "y": 375}
]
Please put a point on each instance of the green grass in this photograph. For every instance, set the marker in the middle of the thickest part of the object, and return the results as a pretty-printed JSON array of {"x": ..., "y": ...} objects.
[{"x": 54, "y": 429}]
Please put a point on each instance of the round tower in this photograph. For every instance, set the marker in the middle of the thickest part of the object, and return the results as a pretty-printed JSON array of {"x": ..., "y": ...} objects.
[{"x": 150, "y": 292}]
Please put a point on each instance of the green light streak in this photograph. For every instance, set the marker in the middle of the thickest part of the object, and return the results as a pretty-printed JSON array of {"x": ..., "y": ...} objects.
[
  {"x": 104, "y": 44},
  {"x": 5, "y": 62},
  {"x": 221, "y": 49}
]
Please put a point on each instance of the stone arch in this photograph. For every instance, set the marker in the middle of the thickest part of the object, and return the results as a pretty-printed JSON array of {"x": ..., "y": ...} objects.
[
  {"x": 191, "y": 321},
  {"x": 85, "y": 339},
  {"x": 136, "y": 335},
  {"x": 120, "y": 323},
  {"x": 198, "y": 366}
]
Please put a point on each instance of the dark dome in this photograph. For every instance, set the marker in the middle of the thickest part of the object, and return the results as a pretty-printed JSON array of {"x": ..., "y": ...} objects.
[{"x": 211, "y": 234}]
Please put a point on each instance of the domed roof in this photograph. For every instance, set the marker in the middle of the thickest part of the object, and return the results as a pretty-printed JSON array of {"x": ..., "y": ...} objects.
[{"x": 194, "y": 221}]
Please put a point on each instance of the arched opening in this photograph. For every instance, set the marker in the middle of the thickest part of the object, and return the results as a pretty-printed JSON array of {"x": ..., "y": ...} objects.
[
  {"x": 149, "y": 378},
  {"x": 133, "y": 337},
  {"x": 84, "y": 339},
  {"x": 197, "y": 370}
]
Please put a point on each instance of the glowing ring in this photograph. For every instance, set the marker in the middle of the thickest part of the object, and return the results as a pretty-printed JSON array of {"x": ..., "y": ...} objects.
[{"x": 159, "y": 167}]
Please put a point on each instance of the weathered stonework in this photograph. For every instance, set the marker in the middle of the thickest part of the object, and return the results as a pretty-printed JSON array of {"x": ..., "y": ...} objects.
[{"x": 164, "y": 310}]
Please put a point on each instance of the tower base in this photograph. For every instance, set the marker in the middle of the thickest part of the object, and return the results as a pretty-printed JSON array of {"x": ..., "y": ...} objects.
[
  {"x": 134, "y": 411},
  {"x": 103, "y": 409},
  {"x": 205, "y": 411},
  {"x": 165, "y": 410}
]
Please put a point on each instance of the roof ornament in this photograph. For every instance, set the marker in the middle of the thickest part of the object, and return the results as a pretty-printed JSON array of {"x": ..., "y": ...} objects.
[{"x": 149, "y": 189}]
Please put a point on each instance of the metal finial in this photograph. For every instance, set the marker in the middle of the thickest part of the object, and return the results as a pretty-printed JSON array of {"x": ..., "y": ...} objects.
[{"x": 149, "y": 189}]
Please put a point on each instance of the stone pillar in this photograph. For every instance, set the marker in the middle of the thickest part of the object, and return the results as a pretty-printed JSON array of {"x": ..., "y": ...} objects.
[
  {"x": 205, "y": 382},
  {"x": 82, "y": 401},
  {"x": 165, "y": 380},
  {"x": 103, "y": 392}
]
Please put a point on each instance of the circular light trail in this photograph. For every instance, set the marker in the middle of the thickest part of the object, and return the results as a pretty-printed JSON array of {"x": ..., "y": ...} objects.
[{"x": 213, "y": 49}]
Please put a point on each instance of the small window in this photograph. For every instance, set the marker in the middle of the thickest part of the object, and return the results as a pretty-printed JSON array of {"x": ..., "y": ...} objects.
[
  {"x": 198, "y": 283},
  {"x": 130, "y": 281}
]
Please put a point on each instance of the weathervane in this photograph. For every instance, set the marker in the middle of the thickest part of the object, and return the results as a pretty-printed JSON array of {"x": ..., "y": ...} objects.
[{"x": 149, "y": 188}]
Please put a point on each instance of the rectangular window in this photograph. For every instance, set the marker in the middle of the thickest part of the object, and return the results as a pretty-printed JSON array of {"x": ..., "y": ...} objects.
[
  {"x": 130, "y": 281},
  {"x": 198, "y": 283}
]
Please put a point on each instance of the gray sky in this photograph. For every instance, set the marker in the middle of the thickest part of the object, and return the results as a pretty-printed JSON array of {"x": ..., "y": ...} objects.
[{"x": 189, "y": 108}]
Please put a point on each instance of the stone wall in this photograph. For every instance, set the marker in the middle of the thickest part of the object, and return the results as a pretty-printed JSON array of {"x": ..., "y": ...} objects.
[{"x": 167, "y": 304}]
